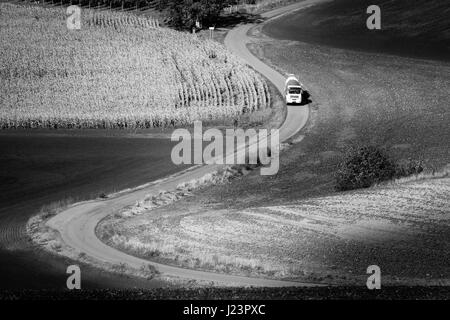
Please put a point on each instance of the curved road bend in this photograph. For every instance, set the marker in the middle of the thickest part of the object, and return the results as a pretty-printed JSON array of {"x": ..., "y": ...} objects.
[{"x": 77, "y": 224}]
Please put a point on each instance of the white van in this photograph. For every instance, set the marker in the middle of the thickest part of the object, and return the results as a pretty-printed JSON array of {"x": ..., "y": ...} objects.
[{"x": 293, "y": 90}]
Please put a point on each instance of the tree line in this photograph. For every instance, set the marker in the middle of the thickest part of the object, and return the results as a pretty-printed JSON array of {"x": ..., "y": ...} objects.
[
  {"x": 187, "y": 14},
  {"x": 181, "y": 14}
]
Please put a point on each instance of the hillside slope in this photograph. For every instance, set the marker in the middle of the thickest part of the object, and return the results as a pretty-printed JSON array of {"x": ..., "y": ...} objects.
[
  {"x": 416, "y": 28},
  {"x": 358, "y": 98},
  {"x": 404, "y": 228}
]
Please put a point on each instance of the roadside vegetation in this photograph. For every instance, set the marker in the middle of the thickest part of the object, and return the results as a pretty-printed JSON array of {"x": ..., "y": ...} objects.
[
  {"x": 118, "y": 71},
  {"x": 41, "y": 233},
  {"x": 363, "y": 167}
]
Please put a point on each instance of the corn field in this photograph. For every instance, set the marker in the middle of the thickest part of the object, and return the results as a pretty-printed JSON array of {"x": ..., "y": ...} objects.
[{"x": 118, "y": 71}]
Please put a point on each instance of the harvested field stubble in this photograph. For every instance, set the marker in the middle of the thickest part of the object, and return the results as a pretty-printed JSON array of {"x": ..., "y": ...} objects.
[{"x": 331, "y": 239}]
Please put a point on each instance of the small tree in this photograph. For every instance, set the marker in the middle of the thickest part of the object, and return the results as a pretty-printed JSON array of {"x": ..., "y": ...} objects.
[
  {"x": 184, "y": 13},
  {"x": 363, "y": 167}
]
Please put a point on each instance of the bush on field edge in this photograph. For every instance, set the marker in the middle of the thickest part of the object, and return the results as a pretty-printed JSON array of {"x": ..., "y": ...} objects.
[{"x": 365, "y": 166}]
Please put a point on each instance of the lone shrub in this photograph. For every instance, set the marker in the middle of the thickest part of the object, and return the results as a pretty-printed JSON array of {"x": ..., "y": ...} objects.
[
  {"x": 368, "y": 165},
  {"x": 363, "y": 167}
]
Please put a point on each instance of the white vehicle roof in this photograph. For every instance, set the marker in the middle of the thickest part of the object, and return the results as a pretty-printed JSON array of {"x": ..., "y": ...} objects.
[{"x": 292, "y": 81}]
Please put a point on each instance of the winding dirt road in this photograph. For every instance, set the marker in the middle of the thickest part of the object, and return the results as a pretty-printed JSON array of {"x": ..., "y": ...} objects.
[{"x": 77, "y": 224}]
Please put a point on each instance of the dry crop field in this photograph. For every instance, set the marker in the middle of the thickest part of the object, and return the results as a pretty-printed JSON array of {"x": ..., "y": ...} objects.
[
  {"x": 402, "y": 226},
  {"x": 118, "y": 71}
]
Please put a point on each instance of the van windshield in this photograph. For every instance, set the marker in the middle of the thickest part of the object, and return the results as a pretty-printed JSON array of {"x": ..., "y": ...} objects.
[{"x": 295, "y": 91}]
